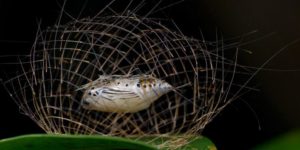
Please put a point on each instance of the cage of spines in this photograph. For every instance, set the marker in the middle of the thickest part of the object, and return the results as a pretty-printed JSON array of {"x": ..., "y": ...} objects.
[{"x": 66, "y": 56}]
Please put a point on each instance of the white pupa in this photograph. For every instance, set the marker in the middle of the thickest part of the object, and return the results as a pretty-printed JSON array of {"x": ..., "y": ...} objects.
[{"x": 123, "y": 93}]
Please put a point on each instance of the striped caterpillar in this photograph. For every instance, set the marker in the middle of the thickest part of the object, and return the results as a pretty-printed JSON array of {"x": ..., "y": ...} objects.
[{"x": 121, "y": 93}]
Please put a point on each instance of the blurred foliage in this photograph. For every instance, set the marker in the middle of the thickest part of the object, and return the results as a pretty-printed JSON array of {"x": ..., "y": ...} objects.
[{"x": 289, "y": 141}]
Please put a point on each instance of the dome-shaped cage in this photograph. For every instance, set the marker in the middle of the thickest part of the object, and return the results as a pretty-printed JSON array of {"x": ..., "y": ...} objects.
[{"x": 66, "y": 57}]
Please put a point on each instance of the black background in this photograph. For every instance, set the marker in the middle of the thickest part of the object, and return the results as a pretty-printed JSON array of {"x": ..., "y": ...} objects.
[{"x": 254, "y": 119}]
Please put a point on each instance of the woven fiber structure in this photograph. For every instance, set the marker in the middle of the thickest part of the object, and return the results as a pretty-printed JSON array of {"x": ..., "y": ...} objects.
[{"x": 67, "y": 56}]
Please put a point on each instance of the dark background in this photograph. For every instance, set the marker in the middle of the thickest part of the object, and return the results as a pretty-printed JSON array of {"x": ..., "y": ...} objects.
[{"x": 255, "y": 118}]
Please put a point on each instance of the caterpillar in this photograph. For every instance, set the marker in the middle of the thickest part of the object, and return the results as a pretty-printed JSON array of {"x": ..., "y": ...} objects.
[{"x": 122, "y": 93}]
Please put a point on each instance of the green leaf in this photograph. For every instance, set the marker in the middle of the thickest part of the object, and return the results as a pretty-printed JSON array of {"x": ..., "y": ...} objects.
[
  {"x": 71, "y": 142},
  {"x": 96, "y": 142},
  {"x": 186, "y": 142}
]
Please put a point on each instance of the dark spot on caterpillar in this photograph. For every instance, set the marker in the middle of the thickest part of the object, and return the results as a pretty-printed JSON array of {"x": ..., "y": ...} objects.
[
  {"x": 92, "y": 87},
  {"x": 106, "y": 81},
  {"x": 85, "y": 103},
  {"x": 150, "y": 85},
  {"x": 97, "y": 92},
  {"x": 145, "y": 86},
  {"x": 118, "y": 83},
  {"x": 138, "y": 85},
  {"x": 154, "y": 84},
  {"x": 94, "y": 94},
  {"x": 90, "y": 93},
  {"x": 126, "y": 85}
]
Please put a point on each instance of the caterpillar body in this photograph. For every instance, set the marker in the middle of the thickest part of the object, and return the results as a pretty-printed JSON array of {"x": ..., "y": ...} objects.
[{"x": 123, "y": 93}]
